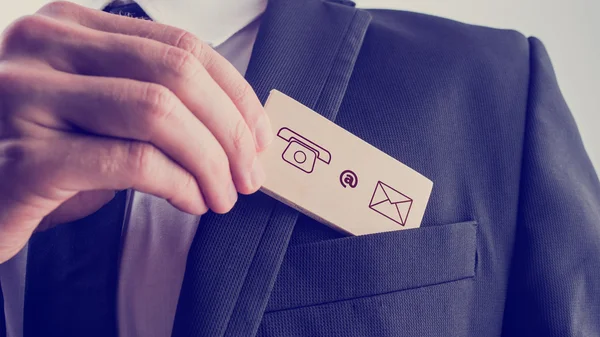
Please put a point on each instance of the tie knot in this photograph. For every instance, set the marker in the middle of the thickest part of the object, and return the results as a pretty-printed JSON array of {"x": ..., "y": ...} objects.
[{"x": 126, "y": 8}]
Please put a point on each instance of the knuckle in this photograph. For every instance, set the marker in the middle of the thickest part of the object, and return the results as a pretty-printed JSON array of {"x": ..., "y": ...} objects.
[
  {"x": 24, "y": 29},
  {"x": 239, "y": 136},
  {"x": 190, "y": 43},
  {"x": 240, "y": 92},
  {"x": 187, "y": 185},
  {"x": 161, "y": 103},
  {"x": 16, "y": 159},
  {"x": 196, "y": 47},
  {"x": 180, "y": 61},
  {"x": 140, "y": 156},
  {"x": 13, "y": 152},
  {"x": 59, "y": 8}
]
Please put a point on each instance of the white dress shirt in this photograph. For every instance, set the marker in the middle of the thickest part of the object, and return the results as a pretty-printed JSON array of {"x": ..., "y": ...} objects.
[{"x": 157, "y": 236}]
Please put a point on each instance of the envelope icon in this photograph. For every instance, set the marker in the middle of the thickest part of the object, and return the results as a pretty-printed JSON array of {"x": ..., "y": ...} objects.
[{"x": 390, "y": 203}]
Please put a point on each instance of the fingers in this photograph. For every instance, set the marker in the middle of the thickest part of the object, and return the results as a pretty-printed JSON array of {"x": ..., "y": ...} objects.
[
  {"x": 44, "y": 173},
  {"x": 128, "y": 109},
  {"x": 89, "y": 52},
  {"x": 225, "y": 74},
  {"x": 54, "y": 171}
]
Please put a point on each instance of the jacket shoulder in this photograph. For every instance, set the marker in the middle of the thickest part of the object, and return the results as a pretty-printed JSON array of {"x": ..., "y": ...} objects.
[{"x": 459, "y": 41}]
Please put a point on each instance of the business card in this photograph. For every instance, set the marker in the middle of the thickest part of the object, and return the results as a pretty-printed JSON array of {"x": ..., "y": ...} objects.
[{"x": 336, "y": 178}]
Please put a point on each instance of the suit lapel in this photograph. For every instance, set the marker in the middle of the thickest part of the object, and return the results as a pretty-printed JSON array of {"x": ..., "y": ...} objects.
[{"x": 307, "y": 50}]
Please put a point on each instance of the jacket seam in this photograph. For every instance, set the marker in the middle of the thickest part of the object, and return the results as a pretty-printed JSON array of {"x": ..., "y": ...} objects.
[
  {"x": 331, "y": 68},
  {"x": 372, "y": 295},
  {"x": 522, "y": 164}
]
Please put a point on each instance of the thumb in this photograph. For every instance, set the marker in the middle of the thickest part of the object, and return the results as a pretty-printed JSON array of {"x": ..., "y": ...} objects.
[{"x": 79, "y": 206}]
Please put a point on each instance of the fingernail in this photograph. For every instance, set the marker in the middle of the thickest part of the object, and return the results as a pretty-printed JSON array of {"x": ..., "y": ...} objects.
[
  {"x": 257, "y": 176},
  {"x": 263, "y": 133},
  {"x": 233, "y": 194}
]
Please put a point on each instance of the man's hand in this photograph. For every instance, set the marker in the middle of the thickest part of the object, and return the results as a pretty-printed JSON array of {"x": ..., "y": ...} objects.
[{"x": 92, "y": 102}]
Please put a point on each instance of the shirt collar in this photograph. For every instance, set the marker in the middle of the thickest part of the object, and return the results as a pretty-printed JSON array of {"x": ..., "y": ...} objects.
[{"x": 213, "y": 21}]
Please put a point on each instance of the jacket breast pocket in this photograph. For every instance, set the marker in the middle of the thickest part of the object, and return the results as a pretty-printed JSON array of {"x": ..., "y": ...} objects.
[
  {"x": 368, "y": 265},
  {"x": 416, "y": 282}
]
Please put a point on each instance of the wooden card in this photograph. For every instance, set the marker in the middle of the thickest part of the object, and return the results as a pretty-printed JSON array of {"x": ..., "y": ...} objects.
[{"x": 335, "y": 177}]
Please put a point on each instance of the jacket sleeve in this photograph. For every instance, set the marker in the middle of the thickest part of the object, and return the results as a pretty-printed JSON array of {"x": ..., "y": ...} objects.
[
  {"x": 2, "y": 319},
  {"x": 554, "y": 285}
]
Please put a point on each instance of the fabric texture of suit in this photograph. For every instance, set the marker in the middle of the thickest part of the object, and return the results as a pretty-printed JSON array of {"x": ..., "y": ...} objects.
[
  {"x": 2, "y": 318},
  {"x": 510, "y": 241}
]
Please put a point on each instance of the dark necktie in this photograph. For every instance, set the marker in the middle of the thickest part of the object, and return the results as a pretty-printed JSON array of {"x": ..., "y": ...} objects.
[
  {"x": 127, "y": 9},
  {"x": 72, "y": 270},
  {"x": 72, "y": 273}
]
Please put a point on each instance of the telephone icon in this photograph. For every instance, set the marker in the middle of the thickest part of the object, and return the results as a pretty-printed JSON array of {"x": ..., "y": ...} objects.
[{"x": 301, "y": 152}]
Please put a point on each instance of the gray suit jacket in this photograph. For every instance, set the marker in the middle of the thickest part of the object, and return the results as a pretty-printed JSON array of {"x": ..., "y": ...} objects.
[{"x": 510, "y": 241}]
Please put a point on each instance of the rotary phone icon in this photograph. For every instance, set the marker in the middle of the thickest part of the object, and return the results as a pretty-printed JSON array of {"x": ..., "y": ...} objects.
[{"x": 301, "y": 152}]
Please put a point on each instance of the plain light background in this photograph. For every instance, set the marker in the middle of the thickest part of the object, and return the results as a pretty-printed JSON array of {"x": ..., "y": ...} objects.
[{"x": 569, "y": 29}]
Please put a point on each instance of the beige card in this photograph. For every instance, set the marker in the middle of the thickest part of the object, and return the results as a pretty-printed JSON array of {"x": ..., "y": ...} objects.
[{"x": 335, "y": 177}]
